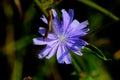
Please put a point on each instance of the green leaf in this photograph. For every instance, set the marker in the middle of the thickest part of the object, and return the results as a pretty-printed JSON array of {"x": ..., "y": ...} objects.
[
  {"x": 101, "y": 9},
  {"x": 95, "y": 51}
]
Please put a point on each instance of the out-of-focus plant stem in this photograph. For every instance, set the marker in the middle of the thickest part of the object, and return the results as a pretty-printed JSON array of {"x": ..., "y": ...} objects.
[
  {"x": 19, "y": 7},
  {"x": 42, "y": 6},
  {"x": 15, "y": 66},
  {"x": 77, "y": 67},
  {"x": 17, "y": 69},
  {"x": 101, "y": 9},
  {"x": 46, "y": 5}
]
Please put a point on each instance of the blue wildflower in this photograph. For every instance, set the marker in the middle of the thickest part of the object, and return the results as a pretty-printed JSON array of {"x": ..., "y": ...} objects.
[{"x": 66, "y": 36}]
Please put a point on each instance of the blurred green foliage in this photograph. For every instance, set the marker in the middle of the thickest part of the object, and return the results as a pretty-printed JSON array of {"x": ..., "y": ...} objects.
[{"x": 19, "y": 22}]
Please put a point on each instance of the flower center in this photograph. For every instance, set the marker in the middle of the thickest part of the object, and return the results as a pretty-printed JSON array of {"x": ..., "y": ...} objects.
[{"x": 62, "y": 38}]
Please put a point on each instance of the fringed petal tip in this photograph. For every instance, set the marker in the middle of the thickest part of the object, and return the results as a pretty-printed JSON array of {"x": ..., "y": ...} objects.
[
  {"x": 54, "y": 12},
  {"x": 81, "y": 54},
  {"x": 42, "y": 31},
  {"x": 65, "y": 62},
  {"x": 39, "y": 56},
  {"x": 43, "y": 18},
  {"x": 38, "y": 41},
  {"x": 86, "y": 22},
  {"x": 86, "y": 43}
]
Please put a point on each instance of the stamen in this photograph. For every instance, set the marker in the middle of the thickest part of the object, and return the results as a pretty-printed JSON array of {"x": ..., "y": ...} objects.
[{"x": 62, "y": 38}]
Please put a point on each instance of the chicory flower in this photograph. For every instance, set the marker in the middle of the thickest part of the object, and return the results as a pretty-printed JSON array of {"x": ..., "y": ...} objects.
[{"x": 65, "y": 37}]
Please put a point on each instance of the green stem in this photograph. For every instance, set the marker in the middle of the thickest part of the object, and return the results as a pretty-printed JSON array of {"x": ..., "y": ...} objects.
[
  {"x": 17, "y": 70},
  {"x": 76, "y": 65},
  {"x": 96, "y": 6},
  {"x": 42, "y": 7}
]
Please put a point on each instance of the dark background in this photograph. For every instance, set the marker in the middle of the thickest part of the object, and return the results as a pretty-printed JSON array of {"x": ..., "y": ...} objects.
[{"x": 28, "y": 24}]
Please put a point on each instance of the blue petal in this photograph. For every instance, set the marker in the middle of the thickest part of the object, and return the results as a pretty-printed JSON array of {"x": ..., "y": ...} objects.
[
  {"x": 52, "y": 52},
  {"x": 76, "y": 51},
  {"x": 51, "y": 42},
  {"x": 63, "y": 55},
  {"x": 80, "y": 33},
  {"x": 56, "y": 22},
  {"x": 71, "y": 14},
  {"x": 75, "y": 46},
  {"x": 73, "y": 27},
  {"x": 67, "y": 57},
  {"x": 56, "y": 25},
  {"x": 83, "y": 24},
  {"x": 77, "y": 28},
  {"x": 52, "y": 36},
  {"x": 42, "y": 31},
  {"x": 43, "y": 18},
  {"x": 47, "y": 49},
  {"x": 66, "y": 20},
  {"x": 45, "y": 52},
  {"x": 54, "y": 13},
  {"x": 39, "y": 41},
  {"x": 84, "y": 31},
  {"x": 60, "y": 54},
  {"x": 76, "y": 41}
]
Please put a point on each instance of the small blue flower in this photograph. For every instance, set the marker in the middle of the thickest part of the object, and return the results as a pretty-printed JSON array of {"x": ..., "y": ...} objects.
[{"x": 66, "y": 36}]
